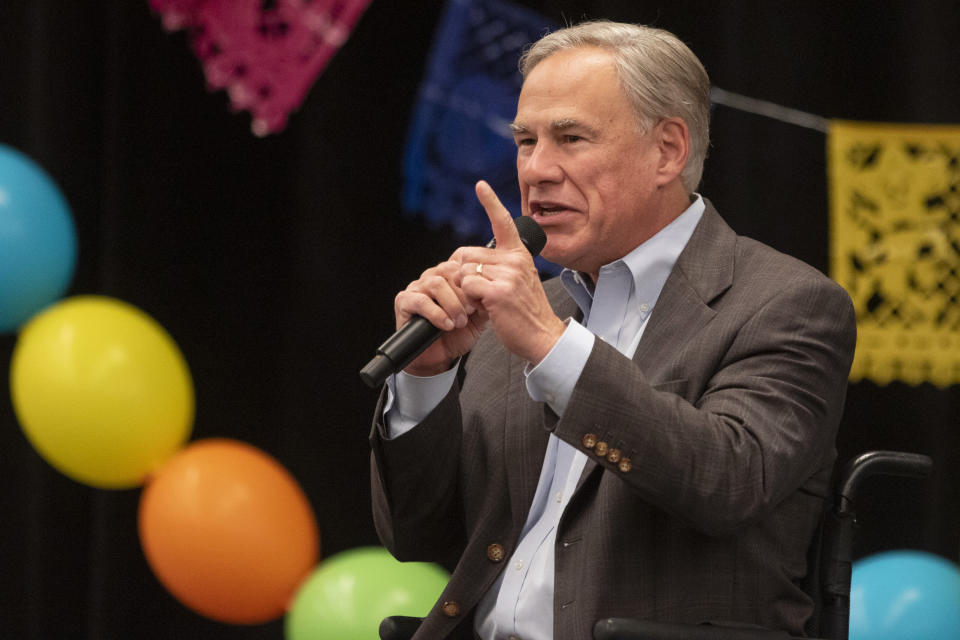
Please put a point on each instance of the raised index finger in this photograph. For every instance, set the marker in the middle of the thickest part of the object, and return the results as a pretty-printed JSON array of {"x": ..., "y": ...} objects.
[{"x": 504, "y": 230}]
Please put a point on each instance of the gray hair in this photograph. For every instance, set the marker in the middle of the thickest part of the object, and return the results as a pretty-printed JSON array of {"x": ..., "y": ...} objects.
[{"x": 660, "y": 75}]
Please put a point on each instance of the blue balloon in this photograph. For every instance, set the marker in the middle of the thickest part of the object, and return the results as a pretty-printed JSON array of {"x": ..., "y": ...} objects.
[
  {"x": 38, "y": 241},
  {"x": 905, "y": 595}
]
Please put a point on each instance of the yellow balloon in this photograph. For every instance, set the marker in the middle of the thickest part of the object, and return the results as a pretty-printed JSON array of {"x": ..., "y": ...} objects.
[{"x": 101, "y": 391}]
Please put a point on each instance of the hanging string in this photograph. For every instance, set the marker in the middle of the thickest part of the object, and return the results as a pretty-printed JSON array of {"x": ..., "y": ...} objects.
[{"x": 768, "y": 110}]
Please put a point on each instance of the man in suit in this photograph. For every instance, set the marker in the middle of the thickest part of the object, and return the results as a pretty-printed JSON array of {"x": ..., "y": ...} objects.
[{"x": 649, "y": 435}]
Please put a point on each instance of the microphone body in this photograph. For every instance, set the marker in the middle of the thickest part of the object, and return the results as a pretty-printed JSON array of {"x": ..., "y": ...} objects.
[{"x": 410, "y": 340}]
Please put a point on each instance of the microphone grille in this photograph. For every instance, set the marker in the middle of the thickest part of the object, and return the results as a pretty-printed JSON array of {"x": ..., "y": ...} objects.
[{"x": 531, "y": 234}]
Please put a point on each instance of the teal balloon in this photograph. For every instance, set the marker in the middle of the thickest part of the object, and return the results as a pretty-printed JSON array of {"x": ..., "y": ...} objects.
[
  {"x": 352, "y": 591},
  {"x": 905, "y": 595},
  {"x": 38, "y": 241}
]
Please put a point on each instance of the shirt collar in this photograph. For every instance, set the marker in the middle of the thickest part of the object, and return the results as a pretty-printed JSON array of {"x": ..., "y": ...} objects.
[{"x": 650, "y": 263}]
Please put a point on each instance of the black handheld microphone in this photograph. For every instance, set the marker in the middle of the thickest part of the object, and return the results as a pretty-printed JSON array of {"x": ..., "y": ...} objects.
[{"x": 413, "y": 338}]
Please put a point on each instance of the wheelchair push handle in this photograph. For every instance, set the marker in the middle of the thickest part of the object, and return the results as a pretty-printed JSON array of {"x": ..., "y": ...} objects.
[{"x": 879, "y": 463}]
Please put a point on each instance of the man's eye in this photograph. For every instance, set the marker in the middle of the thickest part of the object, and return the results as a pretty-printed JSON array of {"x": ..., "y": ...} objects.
[
  {"x": 571, "y": 138},
  {"x": 525, "y": 142}
]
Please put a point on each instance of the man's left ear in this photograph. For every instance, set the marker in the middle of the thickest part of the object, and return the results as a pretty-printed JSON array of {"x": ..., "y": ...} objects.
[{"x": 673, "y": 139}]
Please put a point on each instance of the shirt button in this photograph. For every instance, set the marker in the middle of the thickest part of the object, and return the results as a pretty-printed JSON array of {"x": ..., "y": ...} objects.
[
  {"x": 495, "y": 552},
  {"x": 559, "y": 497},
  {"x": 644, "y": 307},
  {"x": 518, "y": 565}
]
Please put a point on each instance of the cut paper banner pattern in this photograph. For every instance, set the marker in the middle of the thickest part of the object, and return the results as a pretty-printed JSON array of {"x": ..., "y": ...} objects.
[
  {"x": 460, "y": 131},
  {"x": 895, "y": 246},
  {"x": 265, "y": 53}
]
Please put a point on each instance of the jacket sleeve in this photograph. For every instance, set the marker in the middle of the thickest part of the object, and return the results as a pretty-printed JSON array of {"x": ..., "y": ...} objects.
[
  {"x": 416, "y": 503},
  {"x": 721, "y": 448}
]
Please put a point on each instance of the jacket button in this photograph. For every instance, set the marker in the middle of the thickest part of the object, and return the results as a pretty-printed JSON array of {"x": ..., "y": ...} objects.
[
  {"x": 589, "y": 440},
  {"x": 625, "y": 465},
  {"x": 600, "y": 449},
  {"x": 614, "y": 455},
  {"x": 495, "y": 552},
  {"x": 451, "y": 608}
]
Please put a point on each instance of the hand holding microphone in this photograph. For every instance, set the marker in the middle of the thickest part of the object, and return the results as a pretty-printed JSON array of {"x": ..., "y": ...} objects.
[{"x": 439, "y": 288}]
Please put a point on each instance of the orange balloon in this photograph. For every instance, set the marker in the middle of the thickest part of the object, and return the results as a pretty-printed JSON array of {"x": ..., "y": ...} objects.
[{"x": 228, "y": 531}]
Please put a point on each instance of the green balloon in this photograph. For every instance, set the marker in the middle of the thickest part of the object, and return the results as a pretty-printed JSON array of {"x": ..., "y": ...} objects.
[{"x": 348, "y": 595}]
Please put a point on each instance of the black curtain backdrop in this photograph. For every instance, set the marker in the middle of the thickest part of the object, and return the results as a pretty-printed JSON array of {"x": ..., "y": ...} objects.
[{"x": 273, "y": 262}]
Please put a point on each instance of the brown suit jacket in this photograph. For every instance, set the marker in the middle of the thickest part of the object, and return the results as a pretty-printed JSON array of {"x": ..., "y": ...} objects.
[{"x": 727, "y": 412}]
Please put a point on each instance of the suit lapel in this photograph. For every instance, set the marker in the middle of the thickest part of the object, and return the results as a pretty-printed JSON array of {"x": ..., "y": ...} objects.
[{"x": 703, "y": 271}]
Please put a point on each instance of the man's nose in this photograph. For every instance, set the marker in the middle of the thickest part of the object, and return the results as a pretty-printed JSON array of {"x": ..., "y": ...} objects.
[{"x": 541, "y": 164}]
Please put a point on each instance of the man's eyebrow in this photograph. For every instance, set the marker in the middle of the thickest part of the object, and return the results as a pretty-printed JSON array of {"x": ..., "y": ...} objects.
[
  {"x": 519, "y": 128},
  {"x": 565, "y": 123}
]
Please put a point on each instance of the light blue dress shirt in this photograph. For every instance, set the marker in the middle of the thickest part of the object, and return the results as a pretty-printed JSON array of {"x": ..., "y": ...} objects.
[{"x": 519, "y": 605}]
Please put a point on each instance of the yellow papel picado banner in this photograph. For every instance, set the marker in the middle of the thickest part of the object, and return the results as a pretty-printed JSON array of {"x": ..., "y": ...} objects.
[{"x": 895, "y": 246}]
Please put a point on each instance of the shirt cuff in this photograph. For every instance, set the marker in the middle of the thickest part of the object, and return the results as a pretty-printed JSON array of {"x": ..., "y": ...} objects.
[
  {"x": 410, "y": 399},
  {"x": 553, "y": 379}
]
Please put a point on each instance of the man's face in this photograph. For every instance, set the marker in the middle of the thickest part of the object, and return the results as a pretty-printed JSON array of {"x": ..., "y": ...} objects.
[{"x": 587, "y": 174}]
